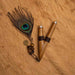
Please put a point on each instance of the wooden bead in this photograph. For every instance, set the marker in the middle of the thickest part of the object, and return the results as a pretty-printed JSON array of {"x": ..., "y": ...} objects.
[{"x": 30, "y": 49}]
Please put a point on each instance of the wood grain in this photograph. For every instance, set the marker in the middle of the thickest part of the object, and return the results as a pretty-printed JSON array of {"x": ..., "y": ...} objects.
[
  {"x": 40, "y": 41},
  {"x": 59, "y": 58}
]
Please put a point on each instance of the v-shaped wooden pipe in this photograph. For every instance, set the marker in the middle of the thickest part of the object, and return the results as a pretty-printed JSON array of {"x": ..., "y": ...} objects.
[{"x": 43, "y": 42}]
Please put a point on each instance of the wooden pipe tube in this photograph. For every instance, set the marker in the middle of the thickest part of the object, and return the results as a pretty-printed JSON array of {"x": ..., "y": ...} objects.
[
  {"x": 48, "y": 38},
  {"x": 40, "y": 40}
]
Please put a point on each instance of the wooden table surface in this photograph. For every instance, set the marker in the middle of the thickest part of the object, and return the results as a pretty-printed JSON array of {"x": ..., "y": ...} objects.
[{"x": 59, "y": 58}]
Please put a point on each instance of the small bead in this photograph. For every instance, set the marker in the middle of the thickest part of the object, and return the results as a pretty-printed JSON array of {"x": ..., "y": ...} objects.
[
  {"x": 32, "y": 44},
  {"x": 30, "y": 49}
]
